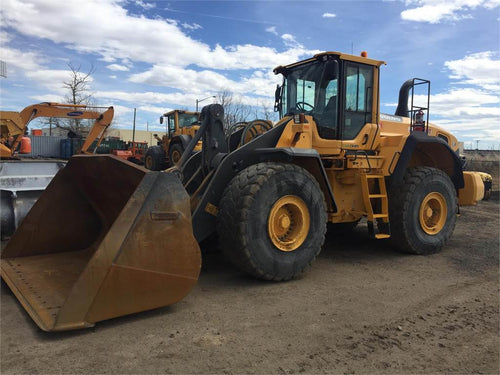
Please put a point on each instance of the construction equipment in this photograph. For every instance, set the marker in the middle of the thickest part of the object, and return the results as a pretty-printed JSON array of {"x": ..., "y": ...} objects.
[
  {"x": 135, "y": 152},
  {"x": 181, "y": 126},
  {"x": 14, "y": 124},
  {"x": 129, "y": 240},
  {"x": 488, "y": 184},
  {"x": 22, "y": 181}
]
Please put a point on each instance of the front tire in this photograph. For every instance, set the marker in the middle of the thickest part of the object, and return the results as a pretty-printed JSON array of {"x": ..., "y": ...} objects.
[
  {"x": 272, "y": 220},
  {"x": 423, "y": 211},
  {"x": 155, "y": 159}
]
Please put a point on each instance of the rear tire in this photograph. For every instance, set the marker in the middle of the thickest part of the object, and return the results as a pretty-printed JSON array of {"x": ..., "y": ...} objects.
[
  {"x": 155, "y": 159},
  {"x": 272, "y": 220},
  {"x": 423, "y": 211}
]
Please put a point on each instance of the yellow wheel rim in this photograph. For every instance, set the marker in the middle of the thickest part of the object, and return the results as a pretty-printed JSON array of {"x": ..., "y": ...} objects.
[
  {"x": 288, "y": 223},
  {"x": 433, "y": 213},
  {"x": 149, "y": 162},
  {"x": 176, "y": 156}
]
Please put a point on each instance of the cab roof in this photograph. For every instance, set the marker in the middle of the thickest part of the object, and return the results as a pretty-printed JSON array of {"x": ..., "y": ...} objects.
[
  {"x": 180, "y": 111},
  {"x": 343, "y": 56}
]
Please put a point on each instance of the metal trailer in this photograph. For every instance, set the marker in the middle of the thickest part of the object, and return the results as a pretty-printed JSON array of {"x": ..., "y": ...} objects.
[{"x": 21, "y": 184}]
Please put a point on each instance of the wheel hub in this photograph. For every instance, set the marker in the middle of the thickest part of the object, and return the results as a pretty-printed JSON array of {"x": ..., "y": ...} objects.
[
  {"x": 176, "y": 156},
  {"x": 433, "y": 213},
  {"x": 285, "y": 221},
  {"x": 288, "y": 223},
  {"x": 149, "y": 162}
]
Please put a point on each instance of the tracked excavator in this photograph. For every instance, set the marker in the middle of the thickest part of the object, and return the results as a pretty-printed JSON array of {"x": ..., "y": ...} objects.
[
  {"x": 109, "y": 238},
  {"x": 14, "y": 124}
]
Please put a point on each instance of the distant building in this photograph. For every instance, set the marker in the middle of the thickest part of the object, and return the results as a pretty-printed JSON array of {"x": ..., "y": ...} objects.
[{"x": 122, "y": 134}]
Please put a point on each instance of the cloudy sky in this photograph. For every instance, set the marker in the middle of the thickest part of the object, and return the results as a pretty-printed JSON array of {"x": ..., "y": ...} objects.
[{"x": 160, "y": 55}]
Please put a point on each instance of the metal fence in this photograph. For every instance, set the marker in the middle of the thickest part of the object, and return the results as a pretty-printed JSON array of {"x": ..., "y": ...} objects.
[
  {"x": 44, "y": 147},
  {"x": 63, "y": 147}
]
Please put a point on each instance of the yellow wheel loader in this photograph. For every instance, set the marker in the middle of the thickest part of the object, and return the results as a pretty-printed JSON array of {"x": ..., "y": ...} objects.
[
  {"x": 109, "y": 238},
  {"x": 181, "y": 128}
]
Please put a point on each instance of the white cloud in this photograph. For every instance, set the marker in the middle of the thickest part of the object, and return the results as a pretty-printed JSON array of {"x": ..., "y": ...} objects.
[
  {"x": 51, "y": 79},
  {"x": 272, "y": 30},
  {"x": 471, "y": 108},
  {"x": 197, "y": 82},
  {"x": 192, "y": 26},
  {"x": 329, "y": 15},
  {"x": 178, "y": 99},
  {"x": 51, "y": 98},
  {"x": 290, "y": 41},
  {"x": 20, "y": 59},
  {"x": 481, "y": 69},
  {"x": 108, "y": 59},
  {"x": 435, "y": 11},
  {"x": 153, "y": 109},
  {"x": 5, "y": 37},
  {"x": 117, "y": 67},
  {"x": 465, "y": 110},
  {"x": 145, "y": 5},
  {"x": 85, "y": 27},
  {"x": 113, "y": 77}
]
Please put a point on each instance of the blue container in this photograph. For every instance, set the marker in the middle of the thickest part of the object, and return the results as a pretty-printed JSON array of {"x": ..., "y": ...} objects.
[{"x": 66, "y": 148}]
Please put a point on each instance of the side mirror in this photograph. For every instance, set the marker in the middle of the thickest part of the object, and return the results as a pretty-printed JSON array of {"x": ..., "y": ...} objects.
[
  {"x": 277, "y": 98},
  {"x": 161, "y": 119},
  {"x": 331, "y": 70}
]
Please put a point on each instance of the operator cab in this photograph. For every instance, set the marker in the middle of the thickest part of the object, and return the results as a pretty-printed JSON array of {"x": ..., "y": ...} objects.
[
  {"x": 337, "y": 90},
  {"x": 184, "y": 119}
]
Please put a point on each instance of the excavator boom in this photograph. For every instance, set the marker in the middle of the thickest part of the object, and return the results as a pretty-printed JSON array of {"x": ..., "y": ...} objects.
[{"x": 15, "y": 123}]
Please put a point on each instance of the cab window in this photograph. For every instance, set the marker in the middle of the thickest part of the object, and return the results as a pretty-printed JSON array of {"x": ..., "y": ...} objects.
[
  {"x": 171, "y": 123},
  {"x": 305, "y": 94},
  {"x": 358, "y": 98}
]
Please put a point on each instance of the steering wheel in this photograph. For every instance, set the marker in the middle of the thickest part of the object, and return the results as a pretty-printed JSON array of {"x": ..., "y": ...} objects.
[{"x": 301, "y": 106}]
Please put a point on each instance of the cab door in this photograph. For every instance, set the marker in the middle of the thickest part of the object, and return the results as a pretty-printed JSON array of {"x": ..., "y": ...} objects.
[{"x": 358, "y": 121}]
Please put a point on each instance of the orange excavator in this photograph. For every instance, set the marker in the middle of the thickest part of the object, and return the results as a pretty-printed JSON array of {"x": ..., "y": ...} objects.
[{"x": 13, "y": 125}]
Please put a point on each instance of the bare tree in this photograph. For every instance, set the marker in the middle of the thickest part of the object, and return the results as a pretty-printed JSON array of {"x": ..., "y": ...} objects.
[
  {"x": 234, "y": 109},
  {"x": 78, "y": 92},
  {"x": 266, "y": 111}
]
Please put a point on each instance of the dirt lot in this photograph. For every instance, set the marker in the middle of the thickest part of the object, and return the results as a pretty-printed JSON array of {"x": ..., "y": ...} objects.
[{"x": 361, "y": 308}]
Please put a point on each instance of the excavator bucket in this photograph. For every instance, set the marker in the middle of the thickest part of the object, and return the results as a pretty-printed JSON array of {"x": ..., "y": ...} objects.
[{"x": 106, "y": 238}]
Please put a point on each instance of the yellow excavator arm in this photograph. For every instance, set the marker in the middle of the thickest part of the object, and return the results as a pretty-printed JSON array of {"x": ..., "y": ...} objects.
[{"x": 15, "y": 123}]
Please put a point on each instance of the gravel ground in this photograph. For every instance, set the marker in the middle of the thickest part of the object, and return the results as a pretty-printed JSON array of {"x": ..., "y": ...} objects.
[{"x": 361, "y": 308}]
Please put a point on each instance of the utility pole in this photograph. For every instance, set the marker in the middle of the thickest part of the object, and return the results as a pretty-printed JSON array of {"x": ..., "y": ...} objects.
[
  {"x": 200, "y": 100},
  {"x": 133, "y": 130}
]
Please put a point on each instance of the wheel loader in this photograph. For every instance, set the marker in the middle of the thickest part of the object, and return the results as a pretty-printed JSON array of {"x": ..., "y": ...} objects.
[
  {"x": 181, "y": 126},
  {"x": 109, "y": 238}
]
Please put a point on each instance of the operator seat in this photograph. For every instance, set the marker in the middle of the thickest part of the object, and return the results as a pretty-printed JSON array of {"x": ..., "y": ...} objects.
[{"x": 327, "y": 121}]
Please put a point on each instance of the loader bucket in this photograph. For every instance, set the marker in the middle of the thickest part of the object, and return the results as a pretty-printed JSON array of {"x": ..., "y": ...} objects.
[{"x": 105, "y": 239}]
